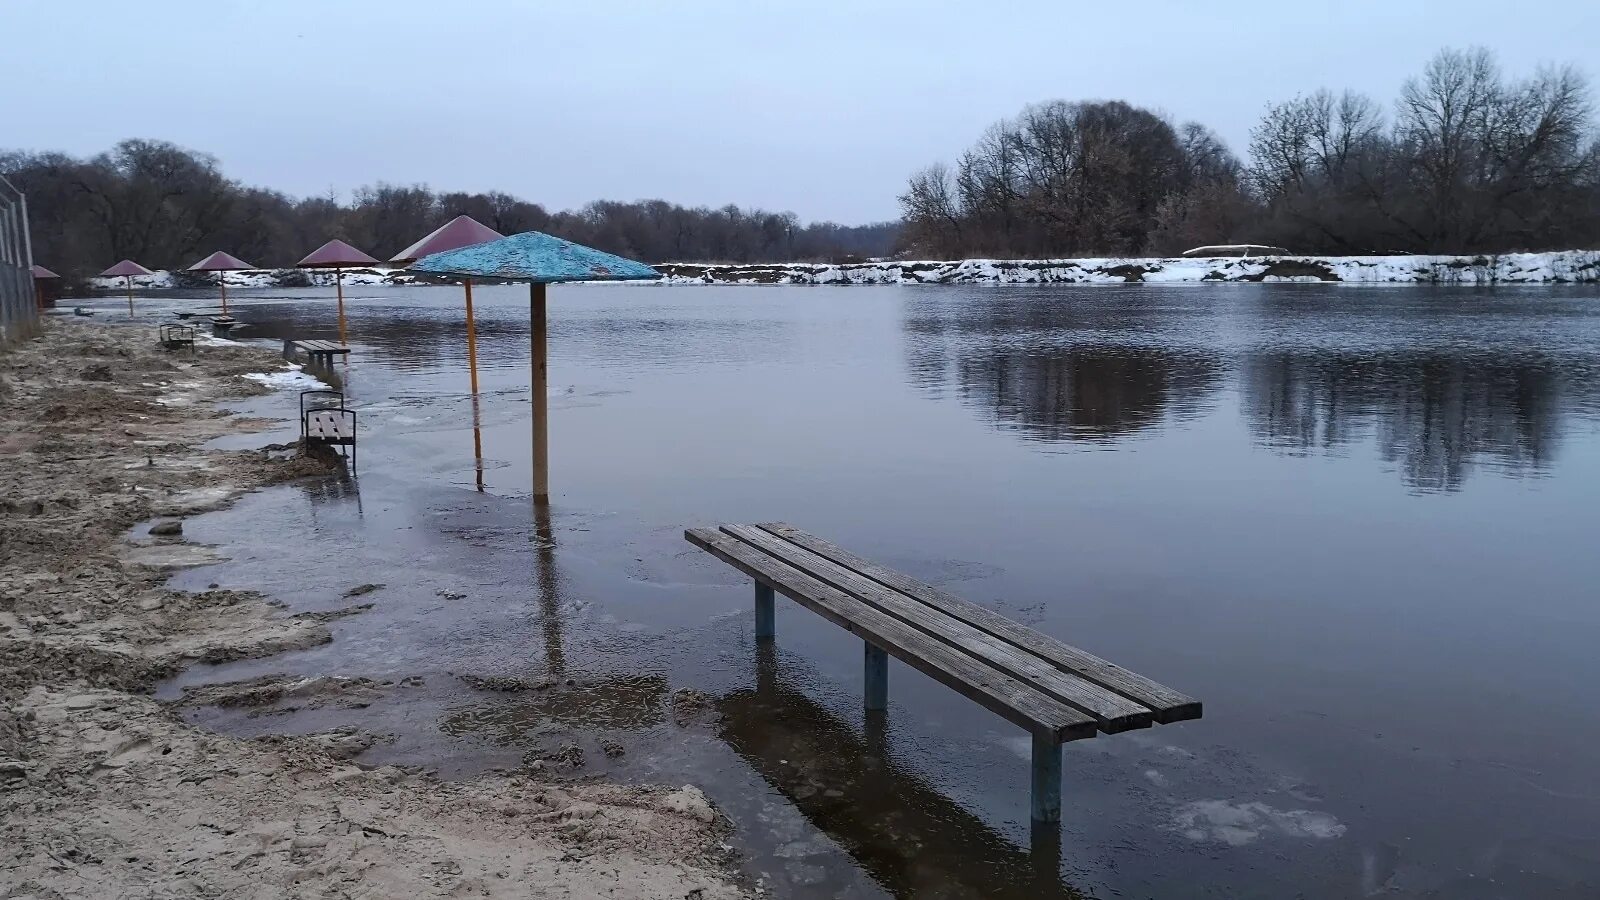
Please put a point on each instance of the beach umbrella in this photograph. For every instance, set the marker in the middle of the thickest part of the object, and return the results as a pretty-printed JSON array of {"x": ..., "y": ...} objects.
[
  {"x": 40, "y": 273},
  {"x": 336, "y": 255},
  {"x": 462, "y": 231},
  {"x": 127, "y": 269},
  {"x": 538, "y": 259},
  {"x": 220, "y": 262}
]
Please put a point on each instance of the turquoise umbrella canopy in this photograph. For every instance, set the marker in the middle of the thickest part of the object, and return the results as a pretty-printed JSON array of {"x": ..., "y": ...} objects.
[
  {"x": 536, "y": 257},
  {"x": 539, "y": 259}
]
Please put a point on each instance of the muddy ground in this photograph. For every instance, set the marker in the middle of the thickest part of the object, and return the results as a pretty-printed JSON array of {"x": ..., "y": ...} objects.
[{"x": 105, "y": 791}]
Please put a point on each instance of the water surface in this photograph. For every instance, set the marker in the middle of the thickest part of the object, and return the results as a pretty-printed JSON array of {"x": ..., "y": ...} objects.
[{"x": 1358, "y": 522}]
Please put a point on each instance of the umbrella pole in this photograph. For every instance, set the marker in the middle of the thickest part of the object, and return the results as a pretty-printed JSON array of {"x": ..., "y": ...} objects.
[
  {"x": 129, "y": 280},
  {"x": 338, "y": 285},
  {"x": 222, "y": 281},
  {"x": 477, "y": 441},
  {"x": 541, "y": 394},
  {"x": 472, "y": 340}
]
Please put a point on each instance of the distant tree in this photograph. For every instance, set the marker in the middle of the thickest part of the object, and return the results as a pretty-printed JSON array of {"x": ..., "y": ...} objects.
[
  {"x": 933, "y": 218},
  {"x": 1470, "y": 163}
]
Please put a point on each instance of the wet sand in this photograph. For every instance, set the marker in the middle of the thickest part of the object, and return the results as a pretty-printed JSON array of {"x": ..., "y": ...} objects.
[{"x": 105, "y": 790}]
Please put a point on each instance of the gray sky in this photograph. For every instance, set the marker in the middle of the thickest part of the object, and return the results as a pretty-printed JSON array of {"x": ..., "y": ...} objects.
[{"x": 821, "y": 107}]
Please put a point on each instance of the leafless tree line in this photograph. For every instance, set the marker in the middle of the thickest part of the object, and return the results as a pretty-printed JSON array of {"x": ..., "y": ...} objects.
[
  {"x": 1469, "y": 162},
  {"x": 166, "y": 206}
]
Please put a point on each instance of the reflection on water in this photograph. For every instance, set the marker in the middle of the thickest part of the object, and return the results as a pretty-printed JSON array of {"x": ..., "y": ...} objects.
[
  {"x": 548, "y": 587},
  {"x": 908, "y": 836},
  {"x": 1430, "y": 413},
  {"x": 1431, "y": 402},
  {"x": 1052, "y": 380}
]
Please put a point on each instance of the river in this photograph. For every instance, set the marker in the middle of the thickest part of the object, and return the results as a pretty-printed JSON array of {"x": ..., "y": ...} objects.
[{"x": 1358, "y": 522}]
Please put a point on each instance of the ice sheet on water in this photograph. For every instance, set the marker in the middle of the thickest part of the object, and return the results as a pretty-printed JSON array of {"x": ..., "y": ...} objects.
[
  {"x": 1238, "y": 824},
  {"x": 290, "y": 378}
]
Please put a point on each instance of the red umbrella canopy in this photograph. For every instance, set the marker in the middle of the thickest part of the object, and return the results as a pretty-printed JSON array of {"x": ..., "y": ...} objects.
[
  {"x": 126, "y": 267},
  {"x": 462, "y": 231},
  {"x": 335, "y": 255},
  {"x": 220, "y": 262},
  {"x": 42, "y": 272}
]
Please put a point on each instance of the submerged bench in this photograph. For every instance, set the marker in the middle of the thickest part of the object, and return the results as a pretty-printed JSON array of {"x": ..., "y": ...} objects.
[
  {"x": 318, "y": 353},
  {"x": 326, "y": 422},
  {"x": 173, "y": 336},
  {"x": 1057, "y": 692}
]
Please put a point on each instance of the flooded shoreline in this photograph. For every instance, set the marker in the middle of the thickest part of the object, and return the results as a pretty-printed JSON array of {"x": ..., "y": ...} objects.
[
  {"x": 103, "y": 787},
  {"x": 1234, "y": 490}
]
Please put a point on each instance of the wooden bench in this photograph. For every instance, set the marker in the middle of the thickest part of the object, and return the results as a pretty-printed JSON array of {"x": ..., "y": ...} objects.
[
  {"x": 1057, "y": 692},
  {"x": 222, "y": 323},
  {"x": 173, "y": 336},
  {"x": 327, "y": 425},
  {"x": 318, "y": 353}
]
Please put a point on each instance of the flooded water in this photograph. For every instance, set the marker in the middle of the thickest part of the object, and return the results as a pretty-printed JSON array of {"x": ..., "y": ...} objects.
[{"x": 1358, "y": 523}]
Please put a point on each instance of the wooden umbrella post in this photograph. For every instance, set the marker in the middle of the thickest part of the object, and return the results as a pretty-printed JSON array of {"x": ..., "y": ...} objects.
[
  {"x": 129, "y": 280},
  {"x": 541, "y": 393},
  {"x": 472, "y": 340},
  {"x": 477, "y": 442},
  {"x": 222, "y": 281}
]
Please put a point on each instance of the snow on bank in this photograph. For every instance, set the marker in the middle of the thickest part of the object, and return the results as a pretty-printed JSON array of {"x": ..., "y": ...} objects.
[
  {"x": 162, "y": 280},
  {"x": 1519, "y": 268},
  {"x": 1558, "y": 267},
  {"x": 291, "y": 378}
]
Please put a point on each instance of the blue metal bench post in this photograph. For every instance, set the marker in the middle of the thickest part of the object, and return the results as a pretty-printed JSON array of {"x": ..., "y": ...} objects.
[
  {"x": 877, "y": 671},
  {"x": 1046, "y": 790},
  {"x": 766, "y": 614}
]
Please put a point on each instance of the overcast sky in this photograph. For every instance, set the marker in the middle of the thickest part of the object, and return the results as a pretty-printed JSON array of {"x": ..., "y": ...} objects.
[{"x": 822, "y": 107}]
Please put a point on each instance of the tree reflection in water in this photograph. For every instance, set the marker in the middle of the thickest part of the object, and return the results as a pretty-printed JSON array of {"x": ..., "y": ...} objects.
[
  {"x": 1432, "y": 414},
  {"x": 1055, "y": 373},
  {"x": 1083, "y": 371}
]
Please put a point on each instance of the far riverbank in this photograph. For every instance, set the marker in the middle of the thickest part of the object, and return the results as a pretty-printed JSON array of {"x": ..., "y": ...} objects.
[{"x": 1556, "y": 267}]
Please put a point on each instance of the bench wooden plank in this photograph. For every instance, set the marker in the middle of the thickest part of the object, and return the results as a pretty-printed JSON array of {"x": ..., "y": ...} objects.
[
  {"x": 996, "y": 691},
  {"x": 1169, "y": 705},
  {"x": 318, "y": 348},
  {"x": 1114, "y": 712},
  {"x": 329, "y": 425}
]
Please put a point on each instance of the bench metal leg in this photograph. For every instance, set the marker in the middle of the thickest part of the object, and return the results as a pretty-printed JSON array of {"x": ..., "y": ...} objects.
[
  {"x": 877, "y": 692},
  {"x": 766, "y": 615},
  {"x": 1046, "y": 779}
]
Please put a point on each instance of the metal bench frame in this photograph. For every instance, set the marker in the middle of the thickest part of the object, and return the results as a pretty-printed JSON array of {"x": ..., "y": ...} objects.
[
  {"x": 1057, "y": 692},
  {"x": 347, "y": 415},
  {"x": 172, "y": 336},
  {"x": 318, "y": 353}
]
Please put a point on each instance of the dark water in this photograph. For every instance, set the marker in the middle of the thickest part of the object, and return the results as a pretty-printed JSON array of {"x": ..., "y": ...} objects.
[{"x": 1359, "y": 523}]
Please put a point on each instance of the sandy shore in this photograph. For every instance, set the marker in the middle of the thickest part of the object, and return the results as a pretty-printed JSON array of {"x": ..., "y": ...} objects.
[{"x": 105, "y": 791}]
